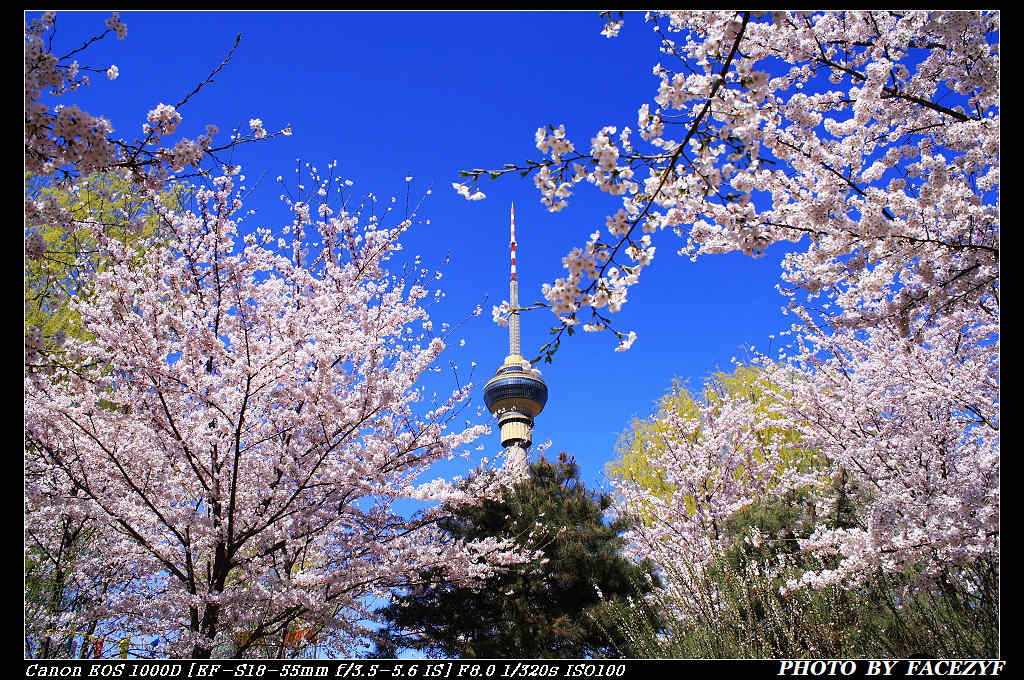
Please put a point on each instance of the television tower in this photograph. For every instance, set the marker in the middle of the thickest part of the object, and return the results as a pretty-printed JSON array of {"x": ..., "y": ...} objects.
[{"x": 515, "y": 395}]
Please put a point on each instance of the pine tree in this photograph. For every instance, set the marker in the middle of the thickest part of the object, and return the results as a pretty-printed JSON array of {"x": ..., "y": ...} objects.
[{"x": 545, "y": 609}]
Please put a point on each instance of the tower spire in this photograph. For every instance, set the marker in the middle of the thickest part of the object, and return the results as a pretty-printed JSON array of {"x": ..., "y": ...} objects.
[
  {"x": 513, "y": 294},
  {"x": 516, "y": 393}
]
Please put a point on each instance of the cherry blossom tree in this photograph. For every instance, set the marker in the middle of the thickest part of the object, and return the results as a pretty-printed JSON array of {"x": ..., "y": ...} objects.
[
  {"x": 224, "y": 440},
  {"x": 868, "y": 141},
  {"x": 239, "y": 424}
]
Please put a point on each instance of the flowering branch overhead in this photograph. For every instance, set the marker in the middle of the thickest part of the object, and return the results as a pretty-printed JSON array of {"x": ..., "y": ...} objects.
[{"x": 773, "y": 152}]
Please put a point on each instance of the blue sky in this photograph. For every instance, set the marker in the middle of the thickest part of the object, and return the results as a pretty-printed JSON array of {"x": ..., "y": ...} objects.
[{"x": 427, "y": 94}]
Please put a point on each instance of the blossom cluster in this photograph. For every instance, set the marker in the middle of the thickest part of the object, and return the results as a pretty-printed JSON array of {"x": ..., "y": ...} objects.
[{"x": 467, "y": 193}]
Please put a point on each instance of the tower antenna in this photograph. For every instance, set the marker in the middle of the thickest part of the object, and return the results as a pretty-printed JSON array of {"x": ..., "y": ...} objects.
[{"x": 513, "y": 292}]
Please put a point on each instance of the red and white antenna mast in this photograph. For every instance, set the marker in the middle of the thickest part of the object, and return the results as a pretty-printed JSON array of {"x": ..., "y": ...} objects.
[{"x": 513, "y": 284}]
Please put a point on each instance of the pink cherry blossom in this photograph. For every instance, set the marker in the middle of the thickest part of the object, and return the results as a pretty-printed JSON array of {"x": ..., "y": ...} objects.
[{"x": 239, "y": 430}]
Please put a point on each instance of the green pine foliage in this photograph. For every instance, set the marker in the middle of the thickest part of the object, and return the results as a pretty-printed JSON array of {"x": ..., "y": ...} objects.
[{"x": 546, "y": 609}]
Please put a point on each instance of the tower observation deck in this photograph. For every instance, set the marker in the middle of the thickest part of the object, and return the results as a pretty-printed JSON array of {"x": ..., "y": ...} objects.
[{"x": 516, "y": 394}]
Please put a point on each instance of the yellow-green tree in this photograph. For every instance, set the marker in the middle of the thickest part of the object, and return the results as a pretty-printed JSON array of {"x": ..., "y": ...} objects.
[
  {"x": 638, "y": 447},
  {"x": 61, "y": 261}
]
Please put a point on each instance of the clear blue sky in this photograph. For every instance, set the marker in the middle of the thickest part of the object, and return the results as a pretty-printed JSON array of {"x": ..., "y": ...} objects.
[{"x": 389, "y": 94}]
